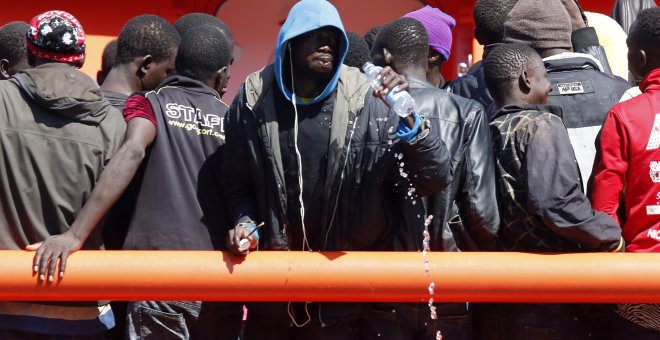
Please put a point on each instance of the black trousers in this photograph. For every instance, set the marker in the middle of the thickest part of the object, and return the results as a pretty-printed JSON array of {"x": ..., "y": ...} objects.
[
  {"x": 378, "y": 321},
  {"x": 275, "y": 321},
  {"x": 412, "y": 321},
  {"x": 531, "y": 321}
]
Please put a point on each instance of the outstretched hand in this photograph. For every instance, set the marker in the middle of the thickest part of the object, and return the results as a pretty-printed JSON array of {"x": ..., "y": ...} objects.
[{"x": 52, "y": 250}]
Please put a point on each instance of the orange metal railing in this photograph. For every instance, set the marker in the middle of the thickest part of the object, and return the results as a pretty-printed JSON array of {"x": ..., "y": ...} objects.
[{"x": 338, "y": 276}]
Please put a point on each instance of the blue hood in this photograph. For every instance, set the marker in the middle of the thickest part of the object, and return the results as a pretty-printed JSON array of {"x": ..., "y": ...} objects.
[{"x": 305, "y": 16}]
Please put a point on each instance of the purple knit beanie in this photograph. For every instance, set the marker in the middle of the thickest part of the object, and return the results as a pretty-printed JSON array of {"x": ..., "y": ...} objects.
[{"x": 438, "y": 26}]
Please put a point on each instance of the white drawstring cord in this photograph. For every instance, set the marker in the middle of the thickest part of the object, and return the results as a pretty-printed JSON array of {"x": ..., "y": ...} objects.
[
  {"x": 300, "y": 184},
  {"x": 298, "y": 157}
]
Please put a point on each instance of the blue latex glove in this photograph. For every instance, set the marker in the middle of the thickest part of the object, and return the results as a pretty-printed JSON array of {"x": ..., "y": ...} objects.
[{"x": 409, "y": 134}]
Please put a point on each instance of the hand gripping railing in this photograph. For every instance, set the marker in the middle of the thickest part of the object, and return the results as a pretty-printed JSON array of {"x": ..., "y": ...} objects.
[{"x": 337, "y": 276}]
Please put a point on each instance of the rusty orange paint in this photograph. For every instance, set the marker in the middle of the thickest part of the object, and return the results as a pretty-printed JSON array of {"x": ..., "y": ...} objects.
[{"x": 338, "y": 276}]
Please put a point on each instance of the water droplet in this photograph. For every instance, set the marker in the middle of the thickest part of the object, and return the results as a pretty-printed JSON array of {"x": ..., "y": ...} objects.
[
  {"x": 434, "y": 313},
  {"x": 414, "y": 202},
  {"x": 389, "y": 142},
  {"x": 425, "y": 251},
  {"x": 402, "y": 164},
  {"x": 399, "y": 156},
  {"x": 391, "y": 130}
]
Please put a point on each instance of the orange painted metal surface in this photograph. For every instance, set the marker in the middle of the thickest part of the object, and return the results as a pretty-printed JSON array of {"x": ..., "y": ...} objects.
[{"x": 338, "y": 276}]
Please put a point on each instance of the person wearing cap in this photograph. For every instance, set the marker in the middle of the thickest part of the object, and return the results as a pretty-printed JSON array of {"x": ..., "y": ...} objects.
[
  {"x": 57, "y": 133},
  {"x": 489, "y": 17},
  {"x": 579, "y": 84},
  {"x": 465, "y": 215},
  {"x": 438, "y": 25}
]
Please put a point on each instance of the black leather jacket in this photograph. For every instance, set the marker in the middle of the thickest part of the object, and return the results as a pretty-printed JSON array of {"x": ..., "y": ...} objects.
[
  {"x": 363, "y": 206},
  {"x": 626, "y": 11},
  {"x": 470, "y": 197}
]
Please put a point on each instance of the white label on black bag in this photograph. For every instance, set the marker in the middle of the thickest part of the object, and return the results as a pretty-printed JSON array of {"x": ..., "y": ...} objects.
[{"x": 570, "y": 88}]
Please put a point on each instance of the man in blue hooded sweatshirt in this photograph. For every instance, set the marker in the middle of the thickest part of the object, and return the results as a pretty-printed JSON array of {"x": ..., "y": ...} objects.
[{"x": 324, "y": 164}]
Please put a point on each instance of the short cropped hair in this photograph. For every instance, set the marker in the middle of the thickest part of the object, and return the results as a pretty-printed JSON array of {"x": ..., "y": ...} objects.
[
  {"x": 12, "y": 41},
  {"x": 406, "y": 39},
  {"x": 146, "y": 35},
  {"x": 489, "y": 17},
  {"x": 107, "y": 60},
  {"x": 195, "y": 19},
  {"x": 203, "y": 51},
  {"x": 647, "y": 28},
  {"x": 358, "y": 51},
  {"x": 370, "y": 36},
  {"x": 505, "y": 64}
]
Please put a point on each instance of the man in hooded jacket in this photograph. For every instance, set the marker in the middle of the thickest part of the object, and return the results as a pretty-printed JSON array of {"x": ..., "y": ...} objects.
[
  {"x": 57, "y": 133},
  {"x": 323, "y": 163}
]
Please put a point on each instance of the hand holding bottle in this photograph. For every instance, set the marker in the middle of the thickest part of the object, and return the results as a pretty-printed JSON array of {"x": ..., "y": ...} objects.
[{"x": 392, "y": 87}]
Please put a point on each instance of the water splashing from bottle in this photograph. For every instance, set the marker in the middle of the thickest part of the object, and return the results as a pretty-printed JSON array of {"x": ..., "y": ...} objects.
[{"x": 426, "y": 248}]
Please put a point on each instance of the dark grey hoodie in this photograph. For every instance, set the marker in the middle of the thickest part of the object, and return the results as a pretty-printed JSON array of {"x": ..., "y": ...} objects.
[{"x": 57, "y": 133}]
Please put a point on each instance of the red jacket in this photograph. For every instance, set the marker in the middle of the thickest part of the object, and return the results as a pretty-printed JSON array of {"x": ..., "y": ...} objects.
[{"x": 630, "y": 159}]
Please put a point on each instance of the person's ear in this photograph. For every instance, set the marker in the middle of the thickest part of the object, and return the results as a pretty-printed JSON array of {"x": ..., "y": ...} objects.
[
  {"x": 220, "y": 78},
  {"x": 145, "y": 63},
  {"x": 32, "y": 60},
  {"x": 476, "y": 36},
  {"x": 643, "y": 60},
  {"x": 4, "y": 68},
  {"x": 388, "y": 56},
  {"x": 79, "y": 64},
  {"x": 434, "y": 57},
  {"x": 525, "y": 82}
]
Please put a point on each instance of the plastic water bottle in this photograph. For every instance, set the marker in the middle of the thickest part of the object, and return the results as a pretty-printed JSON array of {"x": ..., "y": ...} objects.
[{"x": 401, "y": 101}]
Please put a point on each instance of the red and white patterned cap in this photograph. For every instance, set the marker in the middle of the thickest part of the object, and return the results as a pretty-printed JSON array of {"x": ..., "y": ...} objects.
[{"x": 56, "y": 36}]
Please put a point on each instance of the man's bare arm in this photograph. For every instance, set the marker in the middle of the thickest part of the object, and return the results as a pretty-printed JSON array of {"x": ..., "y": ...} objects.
[{"x": 114, "y": 180}]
